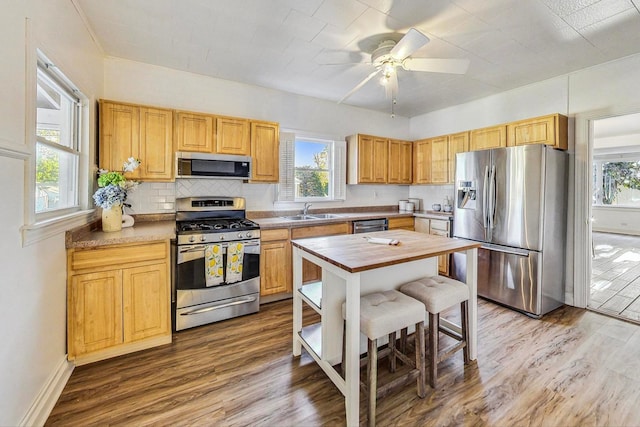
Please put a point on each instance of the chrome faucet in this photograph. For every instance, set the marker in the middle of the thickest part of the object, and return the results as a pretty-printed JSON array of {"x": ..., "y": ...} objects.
[{"x": 305, "y": 210}]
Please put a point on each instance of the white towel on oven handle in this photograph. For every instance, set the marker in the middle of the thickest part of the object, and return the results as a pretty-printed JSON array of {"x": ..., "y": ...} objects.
[
  {"x": 235, "y": 257},
  {"x": 213, "y": 265}
]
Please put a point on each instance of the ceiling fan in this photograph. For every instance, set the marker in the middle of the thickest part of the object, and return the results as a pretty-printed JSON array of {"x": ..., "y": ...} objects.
[{"x": 389, "y": 56}]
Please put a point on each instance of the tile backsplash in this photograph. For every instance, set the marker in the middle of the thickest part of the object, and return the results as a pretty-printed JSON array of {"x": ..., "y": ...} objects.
[{"x": 160, "y": 197}]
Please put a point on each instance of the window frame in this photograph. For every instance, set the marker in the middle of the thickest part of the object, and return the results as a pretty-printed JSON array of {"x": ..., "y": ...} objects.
[
  {"x": 41, "y": 226},
  {"x": 599, "y": 159},
  {"x": 337, "y": 169}
]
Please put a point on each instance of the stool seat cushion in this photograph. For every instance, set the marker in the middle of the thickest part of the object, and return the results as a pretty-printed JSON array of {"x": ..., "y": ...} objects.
[
  {"x": 437, "y": 293},
  {"x": 382, "y": 313}
]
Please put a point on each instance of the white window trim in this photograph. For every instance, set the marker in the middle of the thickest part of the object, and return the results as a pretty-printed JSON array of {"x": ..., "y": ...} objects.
[
  {"x": 601, "y": 156},
  {"x": 337, "y": 189},
  {"x": 41, "y": 227}
]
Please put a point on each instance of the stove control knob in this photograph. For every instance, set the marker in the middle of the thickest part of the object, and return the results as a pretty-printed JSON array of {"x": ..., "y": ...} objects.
[
  {"x": 192, "y": 239},
  {"x": 221, "y": 237},
  {"x": 239, "y": 235},
  {"x": 248, "y": 234},
  {"x": 203, "y": 239}
]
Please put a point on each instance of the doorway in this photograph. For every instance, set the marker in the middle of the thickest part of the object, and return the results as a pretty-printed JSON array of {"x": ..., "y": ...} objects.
[{"x": 615, "y": 216}]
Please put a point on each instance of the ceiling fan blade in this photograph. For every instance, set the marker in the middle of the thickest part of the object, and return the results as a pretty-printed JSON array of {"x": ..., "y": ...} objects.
[
  {"x": 362, "y": 83},
  {"x": 408, "y": 44},
  {"x": 436, "y": 65}
]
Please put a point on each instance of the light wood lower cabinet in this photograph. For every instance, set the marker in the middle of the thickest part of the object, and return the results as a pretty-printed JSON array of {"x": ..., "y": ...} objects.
[
  {"x": 275, "y": 262},
  {"x": 118, "y": 300},
  {"x": 406, "y": 223},
  {"x": 438, "y": 227},
  {"x": 310, "y": 271}
]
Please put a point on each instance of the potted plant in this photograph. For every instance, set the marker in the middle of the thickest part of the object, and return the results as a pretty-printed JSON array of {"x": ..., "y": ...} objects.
[{"x": 112, "y": 192}]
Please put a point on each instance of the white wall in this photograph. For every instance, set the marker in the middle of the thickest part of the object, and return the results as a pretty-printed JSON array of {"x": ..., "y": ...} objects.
[
  {"x": 136, "y": 82},
  {"x": 33, "y": 278}
]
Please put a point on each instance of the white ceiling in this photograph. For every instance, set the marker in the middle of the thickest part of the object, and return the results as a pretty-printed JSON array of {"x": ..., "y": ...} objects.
[{"x": 287, "y": 44}]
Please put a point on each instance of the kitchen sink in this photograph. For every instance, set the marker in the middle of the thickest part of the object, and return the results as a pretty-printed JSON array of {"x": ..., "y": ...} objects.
[
  {"x": 325, "y": 216},
  {"x": 310, "y": 217},
  {"x": 299, "y": 217}
]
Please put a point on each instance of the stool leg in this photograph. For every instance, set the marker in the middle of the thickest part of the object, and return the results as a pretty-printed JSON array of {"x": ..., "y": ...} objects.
[
  {"x": 403, "y": 340},
  {"x": 372, "y": 377},
  {"x": 464, "y": 314},
  {"x": 434, "y": 327},
  {"x": 420, "y": 360},
  {"x": 392, "y": 347}
]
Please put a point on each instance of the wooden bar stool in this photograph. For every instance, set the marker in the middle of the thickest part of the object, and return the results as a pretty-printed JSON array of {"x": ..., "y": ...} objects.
[
  {"x": 438, "y": 293},
  {"x": 384, "y": 313}
]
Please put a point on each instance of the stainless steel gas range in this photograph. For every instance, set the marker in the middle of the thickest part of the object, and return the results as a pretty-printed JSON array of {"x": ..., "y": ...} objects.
[{"x": 217, "y": 261}]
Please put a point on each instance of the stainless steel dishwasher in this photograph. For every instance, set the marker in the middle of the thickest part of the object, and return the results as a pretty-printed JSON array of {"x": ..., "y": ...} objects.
[{"x": 369, "y": 225}]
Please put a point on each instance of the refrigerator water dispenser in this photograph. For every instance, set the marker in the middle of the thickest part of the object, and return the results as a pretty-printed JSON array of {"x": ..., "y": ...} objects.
[{"x": 466, "y": 195}]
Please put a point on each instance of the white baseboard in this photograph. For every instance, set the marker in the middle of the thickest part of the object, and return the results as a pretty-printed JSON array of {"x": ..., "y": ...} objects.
[{"x": 49, "y": 393}]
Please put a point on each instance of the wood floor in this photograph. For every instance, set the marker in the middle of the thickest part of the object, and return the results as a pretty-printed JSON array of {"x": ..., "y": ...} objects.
[
  {"x": 572, "y": 368},
  {"x": 615, "y": 275}
]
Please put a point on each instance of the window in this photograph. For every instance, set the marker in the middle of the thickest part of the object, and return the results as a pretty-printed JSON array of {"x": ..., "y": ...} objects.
[
  {"x": 311, "y": 169},
  {"x": 617, "y": 180},
  {"x": 57, "y": 147}
]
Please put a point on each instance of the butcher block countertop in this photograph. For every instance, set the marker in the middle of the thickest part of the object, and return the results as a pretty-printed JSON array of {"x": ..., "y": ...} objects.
[{"x": 353, "y": 253}]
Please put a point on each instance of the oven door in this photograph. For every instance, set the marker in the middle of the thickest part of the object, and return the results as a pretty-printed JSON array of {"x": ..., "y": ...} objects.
[{"x": 191, "y": 270}]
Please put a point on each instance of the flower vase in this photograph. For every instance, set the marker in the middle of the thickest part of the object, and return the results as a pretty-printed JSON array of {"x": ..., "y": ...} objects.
[{"x": 112, "y": 218}]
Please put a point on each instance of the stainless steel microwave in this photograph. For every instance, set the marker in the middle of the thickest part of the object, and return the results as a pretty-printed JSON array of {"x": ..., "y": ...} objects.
[{"x": 218, "y": 166}]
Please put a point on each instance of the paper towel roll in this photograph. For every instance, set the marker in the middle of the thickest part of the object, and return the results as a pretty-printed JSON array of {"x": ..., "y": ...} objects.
[{"x": 127, "y": 221}]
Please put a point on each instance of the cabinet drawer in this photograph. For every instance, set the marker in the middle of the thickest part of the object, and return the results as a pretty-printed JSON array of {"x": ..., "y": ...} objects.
[
  {"x": 320, "y": 230},
  {"x": 440, "y": 225},
  {"x": 275, "y": 234},
  {"x": 117, "y": 255},
  {"x": 436, "y": 232},
  {"x": 405, "y": 222}
]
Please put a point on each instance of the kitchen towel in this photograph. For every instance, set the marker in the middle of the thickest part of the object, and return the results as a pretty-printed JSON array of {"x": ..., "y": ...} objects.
[
  {"x": 213, "y": 265},
  {"x": 382, "y": 241},
  {"x": 235, "y": 255}
]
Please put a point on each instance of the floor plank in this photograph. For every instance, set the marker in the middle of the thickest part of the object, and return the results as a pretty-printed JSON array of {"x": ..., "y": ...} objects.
[{"x": 572, "y": 368}]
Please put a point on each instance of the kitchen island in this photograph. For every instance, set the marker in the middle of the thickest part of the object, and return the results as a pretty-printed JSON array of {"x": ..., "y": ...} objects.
[{"x": 352, "y": 266}]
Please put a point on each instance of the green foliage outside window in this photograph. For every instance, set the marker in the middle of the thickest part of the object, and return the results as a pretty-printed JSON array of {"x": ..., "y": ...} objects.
[
  {"x": 619, "y": 175},
  {"x": 313, "y": 181}
]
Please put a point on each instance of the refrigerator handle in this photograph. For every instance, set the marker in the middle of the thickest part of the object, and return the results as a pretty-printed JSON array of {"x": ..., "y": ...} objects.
[
  {"x": 492, "y": 198},
  {"x": 485, "y": 201}
]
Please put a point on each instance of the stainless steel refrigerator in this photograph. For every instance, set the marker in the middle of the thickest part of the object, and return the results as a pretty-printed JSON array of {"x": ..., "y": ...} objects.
[{"x": 514, "y": 201}]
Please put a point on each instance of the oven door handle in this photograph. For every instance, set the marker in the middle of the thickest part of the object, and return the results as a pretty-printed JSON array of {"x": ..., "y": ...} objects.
[{"x": 219, "y": 306}]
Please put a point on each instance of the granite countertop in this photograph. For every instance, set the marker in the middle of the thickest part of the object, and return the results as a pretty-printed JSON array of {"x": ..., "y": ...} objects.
[
  {"x": 142, "y": 231},
  {"x": 353, "y": 253}
]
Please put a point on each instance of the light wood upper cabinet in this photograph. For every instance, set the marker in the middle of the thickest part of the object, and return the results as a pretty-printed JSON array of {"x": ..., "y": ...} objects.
[
  {"x": 458, "y": 143},
  {"x": 119, "y": 136},
  {"x": 430, "y": 160},
  {"x": 194, "y": 132},
  {"x": 422, "y": 161},
  {"x": 400, "y": 162},
  {"x": 233, "y": 136},
  {"x": 156, "y": 144},
  {"x": 367, "y": 159},
  {"x": 137, "y": 131},
  {"x": 548, "y": 130},
  {"x": 440, "y": 160},
  {"x": 485, "y": 138},
  {"x": 265, "y": 151},
  {"x": 118, "y": 300}
]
